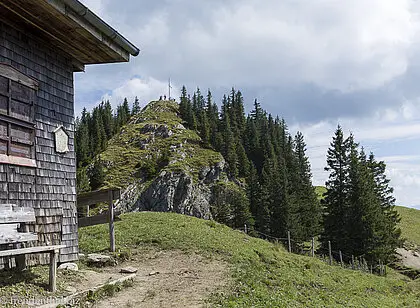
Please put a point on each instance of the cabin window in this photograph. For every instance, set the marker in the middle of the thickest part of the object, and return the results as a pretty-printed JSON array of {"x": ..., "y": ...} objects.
[{"x": 17, "y": 117}]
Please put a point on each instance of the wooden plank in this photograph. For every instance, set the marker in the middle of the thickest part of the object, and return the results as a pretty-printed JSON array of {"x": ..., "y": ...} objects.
[
  {"x": 13, "y": 74},
  {"x": 10, "y": 213},
  {"x": 24, "y": 251},
  {"x": 18, "y": 237},
  {"x": 97, "y": 197},
  {"x": 97, "y": 219},
  {"x": 19, "y": 161}
]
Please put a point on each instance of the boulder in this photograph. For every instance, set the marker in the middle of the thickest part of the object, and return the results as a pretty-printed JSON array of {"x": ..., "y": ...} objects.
[
  {"x": 128, "y": 270},
  {"x": 68, "y": 266},
  {"x": 95, "y": 259}
]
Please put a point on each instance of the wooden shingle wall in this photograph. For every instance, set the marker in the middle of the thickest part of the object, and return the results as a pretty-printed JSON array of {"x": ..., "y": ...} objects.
[{"x": 51, "y": 187}]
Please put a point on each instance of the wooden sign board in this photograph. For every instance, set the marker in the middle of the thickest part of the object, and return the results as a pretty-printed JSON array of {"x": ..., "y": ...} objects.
[{"x": 98, "y": 219}]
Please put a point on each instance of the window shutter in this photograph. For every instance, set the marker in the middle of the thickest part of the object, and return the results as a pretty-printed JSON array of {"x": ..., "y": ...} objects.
[{"x": 17, "y": 128}]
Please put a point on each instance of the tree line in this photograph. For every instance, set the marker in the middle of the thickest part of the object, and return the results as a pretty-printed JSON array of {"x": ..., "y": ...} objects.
[
  {"x": 259, "y": 149},
  {"x": 357, "y": 215}
]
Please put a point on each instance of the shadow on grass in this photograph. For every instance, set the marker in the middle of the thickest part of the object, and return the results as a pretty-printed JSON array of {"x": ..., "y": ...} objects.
[{"x": 12, "y": 277}]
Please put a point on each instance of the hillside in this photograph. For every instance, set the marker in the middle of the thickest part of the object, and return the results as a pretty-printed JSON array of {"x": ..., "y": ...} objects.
[
  {"x": 410, "y": 225},
  {"x": 161, "y": 165},
  {"x": 263, "y": 274}
]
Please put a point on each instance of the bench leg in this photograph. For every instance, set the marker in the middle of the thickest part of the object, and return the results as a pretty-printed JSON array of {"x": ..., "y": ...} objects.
[
  {"x": 53, "y": 270},
  {"x": 20, "y": 262}
]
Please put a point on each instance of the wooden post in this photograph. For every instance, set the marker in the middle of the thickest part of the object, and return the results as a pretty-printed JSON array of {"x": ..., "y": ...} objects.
[
  {"x": 246, "y": 231},
  {"x": 20, "y": 259},
  {"x": 352, "y": 261},
  {"x": 53, "y": 270},
  {"x": 87, "y": 210},
  {"x": 341, "y": 258},
  {"x": 329, "y": 252},
  {"x": 111, "y": 221},
  {"x": 313, "y": 247},
  {"x": 288, "y": 241}
]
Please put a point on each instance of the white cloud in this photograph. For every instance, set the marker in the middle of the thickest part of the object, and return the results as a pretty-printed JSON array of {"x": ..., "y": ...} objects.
[
  {"x": 146, "y": 89},
  {"x": 346, "y": 45}
]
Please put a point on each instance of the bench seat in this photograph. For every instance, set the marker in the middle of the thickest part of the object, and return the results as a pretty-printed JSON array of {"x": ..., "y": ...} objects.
[{"x": 11, "y": 218}]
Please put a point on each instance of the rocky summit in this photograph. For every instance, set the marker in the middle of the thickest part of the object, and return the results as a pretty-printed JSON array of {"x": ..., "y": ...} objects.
[{"x": 162, "y": 166}]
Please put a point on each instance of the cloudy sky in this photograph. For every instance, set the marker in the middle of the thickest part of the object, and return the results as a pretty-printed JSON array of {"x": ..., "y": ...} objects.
[{"x": 316, "y": 63}]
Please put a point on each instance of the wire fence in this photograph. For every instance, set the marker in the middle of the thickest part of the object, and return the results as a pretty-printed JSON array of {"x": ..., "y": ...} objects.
[{"x": 329, "y": 256}]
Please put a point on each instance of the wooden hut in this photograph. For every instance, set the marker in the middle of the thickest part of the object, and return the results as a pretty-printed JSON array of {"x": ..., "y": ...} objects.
[{"x": 42, "y": 43}]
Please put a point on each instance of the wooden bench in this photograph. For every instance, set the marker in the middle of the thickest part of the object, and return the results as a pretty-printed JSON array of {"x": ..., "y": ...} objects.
[{"x": 11, "y": 218}]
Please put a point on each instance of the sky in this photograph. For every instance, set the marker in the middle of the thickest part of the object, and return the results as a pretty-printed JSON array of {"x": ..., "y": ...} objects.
[{"x": 315, "y": 63}]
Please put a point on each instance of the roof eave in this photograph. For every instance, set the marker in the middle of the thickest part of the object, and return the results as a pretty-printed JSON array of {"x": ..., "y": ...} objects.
[{"x": 83, "y": 13}]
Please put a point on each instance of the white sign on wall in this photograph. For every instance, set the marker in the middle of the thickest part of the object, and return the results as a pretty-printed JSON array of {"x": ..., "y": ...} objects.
[{"x": 61, "y": 140}]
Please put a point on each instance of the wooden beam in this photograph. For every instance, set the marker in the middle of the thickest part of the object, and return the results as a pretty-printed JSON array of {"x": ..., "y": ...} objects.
[
  {"x": 97, "y": 219},
  {"x": 18, "y": 237},
  {"x": 19, "y": 161},
  {"x": 13, "y": 74},
  {"x": 94, "y": 197},
  {"x": 23, "y": 251}
]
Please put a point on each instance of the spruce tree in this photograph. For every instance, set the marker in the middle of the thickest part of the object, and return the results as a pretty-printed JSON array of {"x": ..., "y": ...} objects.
[
  {"x": 125, "y": 112},
  {"x": 136, "y": 106},
  {"x": 309, "y": 208},
  {"x": 108, "y": 120},
  {"x": 336, "y": 197},
  {"x": 97, "y": 175}
]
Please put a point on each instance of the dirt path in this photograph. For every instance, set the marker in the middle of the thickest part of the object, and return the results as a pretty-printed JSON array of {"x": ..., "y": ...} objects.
[{"x": 164, "y": 279}]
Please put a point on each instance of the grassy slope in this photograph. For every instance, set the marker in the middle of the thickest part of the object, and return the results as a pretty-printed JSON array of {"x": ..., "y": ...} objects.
[
  {"x": 410, "y": 224},
  {"x": 264, "y": 274},
  {"x": 124, "y": 156}
]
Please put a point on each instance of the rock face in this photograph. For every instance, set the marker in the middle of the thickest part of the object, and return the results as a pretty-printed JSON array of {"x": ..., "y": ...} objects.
[{"x": 176, "y": 191}]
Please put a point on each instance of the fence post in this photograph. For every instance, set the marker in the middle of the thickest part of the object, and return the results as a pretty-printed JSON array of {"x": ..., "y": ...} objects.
[
  {"x": 352, "y": 261},
  {"x": 288, "y": 241},
  {"x": 329, "y": 252},
  {"x": 246, "y": 231},
  {"x": 341, "y": 258},
  {"x": 313, "y": 247},
  {"x": 111, "y": 221}
]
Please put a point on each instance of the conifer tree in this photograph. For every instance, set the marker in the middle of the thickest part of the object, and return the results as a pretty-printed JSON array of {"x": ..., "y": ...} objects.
[
  {"x": 108, "y": 120},
  {"x": 336, "y": 198},
  {"x": 83, "y": 139},
  {"x": 98, "y": 137},
  {"x": 97, "y": 175},
  {"x": 125, "y": 112},
  {"x": 183, "y": 104},
  {"x": 309, "y": 208},
  {"x": 136, "y": 106},
  {"x": 205, "y": 128}
]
